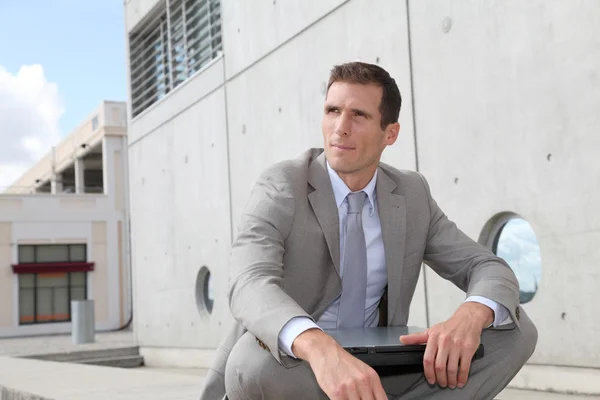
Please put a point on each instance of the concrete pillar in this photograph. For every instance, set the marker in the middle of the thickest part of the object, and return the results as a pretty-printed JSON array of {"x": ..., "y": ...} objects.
[
  {"x": 82, "y": 317},
  {"x": 56, "y": 185},
  {"x": 114, "y": 167},
  {"x": 79, "y": 166}
]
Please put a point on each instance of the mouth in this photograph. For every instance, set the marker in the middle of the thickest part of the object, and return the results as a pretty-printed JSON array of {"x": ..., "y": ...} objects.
[{"x": 342, "y": 147}]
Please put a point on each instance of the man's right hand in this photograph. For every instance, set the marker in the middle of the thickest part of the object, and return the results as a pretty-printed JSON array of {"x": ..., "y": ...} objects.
[{"x": 339, "y": 374}]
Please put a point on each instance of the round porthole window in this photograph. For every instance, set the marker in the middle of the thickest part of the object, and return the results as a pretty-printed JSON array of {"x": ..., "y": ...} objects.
[
  {"x": 205, "y": 296},
  {"x": 513, "y": 239}
]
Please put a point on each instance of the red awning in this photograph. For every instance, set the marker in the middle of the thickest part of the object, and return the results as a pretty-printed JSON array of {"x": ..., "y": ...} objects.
[{"x": 48, "y": 268}]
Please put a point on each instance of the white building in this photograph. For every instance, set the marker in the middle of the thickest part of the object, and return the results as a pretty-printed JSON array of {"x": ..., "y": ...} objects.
[
  {"x": 64, "y": 232},
  {"x": 500, "y": 113}
]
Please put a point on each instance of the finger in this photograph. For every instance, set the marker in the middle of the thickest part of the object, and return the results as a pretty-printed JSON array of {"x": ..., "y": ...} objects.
[
  {"x": 429, "y": 360},
  {"x": 452, "y": 367},
  {"x": 352, "y": 394},
  {"x": 415, "y": 338},
  {"x": 465, "y": 366},
  {"x": 441, "y": 361},
  {"x": 363, "y": 388},
  {"x": 378, "y": 392}
]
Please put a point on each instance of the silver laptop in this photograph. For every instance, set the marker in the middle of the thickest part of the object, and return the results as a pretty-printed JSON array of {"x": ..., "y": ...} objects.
[{"x": 382, "y": 347}]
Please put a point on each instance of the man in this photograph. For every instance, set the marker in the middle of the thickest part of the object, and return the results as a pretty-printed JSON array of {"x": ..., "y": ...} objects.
[{"x": 335, "y": 238}]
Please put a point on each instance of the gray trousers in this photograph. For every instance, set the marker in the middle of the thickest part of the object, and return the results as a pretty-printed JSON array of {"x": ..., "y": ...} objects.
[{"x": 252, "y": 373}]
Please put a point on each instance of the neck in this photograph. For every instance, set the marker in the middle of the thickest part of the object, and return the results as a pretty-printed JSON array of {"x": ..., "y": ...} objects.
[{"x": 358, "y": 180}]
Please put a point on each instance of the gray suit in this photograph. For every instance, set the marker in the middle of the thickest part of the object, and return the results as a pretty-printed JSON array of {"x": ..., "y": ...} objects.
[{"x": 285, "y": 263}]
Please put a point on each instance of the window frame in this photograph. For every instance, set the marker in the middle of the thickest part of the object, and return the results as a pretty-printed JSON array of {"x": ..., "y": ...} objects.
[
  {"x": 37, "y": 267},
  {"x": 490, "y": 238}
]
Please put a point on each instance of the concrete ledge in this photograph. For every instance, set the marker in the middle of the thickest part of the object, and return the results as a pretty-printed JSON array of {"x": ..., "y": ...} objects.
[
  {"x": 177, "y": 357},
  {"x": 9, "y": 394},
  {"x": 570, "y": 380},
  {"x": 26, "y": 379}
]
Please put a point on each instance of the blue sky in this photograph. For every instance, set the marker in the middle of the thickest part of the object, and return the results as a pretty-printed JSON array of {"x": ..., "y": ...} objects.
[
  {"x": 58, "y": 60},
  {"x": 79, "y": 43}
]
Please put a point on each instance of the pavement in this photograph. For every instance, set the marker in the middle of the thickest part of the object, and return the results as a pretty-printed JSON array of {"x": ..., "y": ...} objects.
[
  {"x": 30, "y": 379},
  {"x": 49, "y": 380},
  {"x": 38, "y": 345}
]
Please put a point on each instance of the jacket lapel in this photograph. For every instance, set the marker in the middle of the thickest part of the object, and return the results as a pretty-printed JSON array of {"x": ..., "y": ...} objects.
[
  {"x": 323, "y": 204},
  {"x": 392, "y": 215}
]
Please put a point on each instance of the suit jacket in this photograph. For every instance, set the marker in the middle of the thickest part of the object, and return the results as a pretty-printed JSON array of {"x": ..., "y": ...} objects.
[{"x": 285, "y": 261}]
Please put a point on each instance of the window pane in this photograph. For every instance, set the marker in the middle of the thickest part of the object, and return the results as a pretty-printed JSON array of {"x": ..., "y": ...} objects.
[
  {"x": 518, "y": 246},
  {"x": 77, "y": 253},
  {"x": 52, "y": 253},
  {"x": 26, "y": 254},
  {"x": 26, "y": 305},
  {"x": 52, "y": 280},
  {"x": 44, "y": 304},
  {"x": 78, "y": 278},
  {"x": 27, "y": 281},
  {"x": 77, "y": 293},
  {"x": 61, "y": 306}
]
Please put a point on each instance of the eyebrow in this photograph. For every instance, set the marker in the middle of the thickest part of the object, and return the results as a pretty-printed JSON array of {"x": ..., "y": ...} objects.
[
  {"x": 331, "y": 107},
  {"x": 363, "y": 112}
]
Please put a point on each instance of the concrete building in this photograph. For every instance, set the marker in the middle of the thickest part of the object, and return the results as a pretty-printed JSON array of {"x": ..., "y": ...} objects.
[
  {"x": 500, "y": 113},
  {"x": 64, "y": 232}
]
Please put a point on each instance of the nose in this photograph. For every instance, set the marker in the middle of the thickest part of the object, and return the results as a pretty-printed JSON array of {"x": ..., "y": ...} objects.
[{"x": 342, "y": 125}]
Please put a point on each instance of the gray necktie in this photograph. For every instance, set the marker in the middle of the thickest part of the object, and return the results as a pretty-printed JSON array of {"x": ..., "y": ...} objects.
[{"x": 354, "y": 273}]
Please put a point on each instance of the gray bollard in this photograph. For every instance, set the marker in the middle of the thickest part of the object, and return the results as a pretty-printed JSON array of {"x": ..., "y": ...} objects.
[{"x": 82, "y": 321}]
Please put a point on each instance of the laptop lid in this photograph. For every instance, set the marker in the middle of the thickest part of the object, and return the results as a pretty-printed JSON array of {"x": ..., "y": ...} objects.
[{"x": 386, "y": 337}]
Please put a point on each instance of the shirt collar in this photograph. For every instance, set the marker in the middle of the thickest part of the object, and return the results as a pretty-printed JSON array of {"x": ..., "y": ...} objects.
[{"x": 340, "y": 190}]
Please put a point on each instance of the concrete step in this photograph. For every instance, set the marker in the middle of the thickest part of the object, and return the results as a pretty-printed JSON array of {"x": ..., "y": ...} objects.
[
  {"x": 116, "y": 362},
  {"x": 77, "y": 356}
]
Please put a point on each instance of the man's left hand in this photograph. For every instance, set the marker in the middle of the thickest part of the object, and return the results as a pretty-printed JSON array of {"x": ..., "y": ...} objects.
[{"x": 452, "y": 344}]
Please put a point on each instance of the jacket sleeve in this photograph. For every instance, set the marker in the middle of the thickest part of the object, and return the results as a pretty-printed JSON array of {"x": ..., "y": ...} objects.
[
  {"x": 473, "y": 268},
  {"x": 256, "y": 295}
]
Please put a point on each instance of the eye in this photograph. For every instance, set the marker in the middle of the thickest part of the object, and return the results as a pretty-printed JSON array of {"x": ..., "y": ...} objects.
[
  {"x": 359, "y": 114},
  {"x": 333, "y": 110}
]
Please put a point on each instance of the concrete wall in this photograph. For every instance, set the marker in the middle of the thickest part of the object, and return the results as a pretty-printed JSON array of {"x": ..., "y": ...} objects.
[
  {"x": 6, "y": 298},
  {"x": 179, "y": 181},
  {"x": 136, "y": 10},
  {"x": 499, "y": 86},
  {"x": 520, "y": 82}
]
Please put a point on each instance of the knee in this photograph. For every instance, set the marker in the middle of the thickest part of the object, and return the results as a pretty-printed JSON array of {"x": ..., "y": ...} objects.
[
  {"x": 523, "y": 341},
  {"x": 529, "y": 336},
  {"x": 253, "y": 373},
  {"x": 242, "y": 372}
]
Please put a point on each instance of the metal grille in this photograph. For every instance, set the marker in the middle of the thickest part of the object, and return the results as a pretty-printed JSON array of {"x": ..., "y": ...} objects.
[{"x": 171, "y": 47}]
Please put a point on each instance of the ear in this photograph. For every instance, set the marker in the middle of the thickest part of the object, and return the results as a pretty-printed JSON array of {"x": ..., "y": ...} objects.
[{"x": 391, "y": 133}]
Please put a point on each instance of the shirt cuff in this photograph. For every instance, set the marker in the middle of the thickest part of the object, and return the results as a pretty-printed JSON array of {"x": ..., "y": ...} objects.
[
  {"x": 292, "y": 330},
  {"x": 501, "y": 314}
]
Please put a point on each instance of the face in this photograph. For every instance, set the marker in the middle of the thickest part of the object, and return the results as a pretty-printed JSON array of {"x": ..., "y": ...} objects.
[{"x": 352, "y": 133}]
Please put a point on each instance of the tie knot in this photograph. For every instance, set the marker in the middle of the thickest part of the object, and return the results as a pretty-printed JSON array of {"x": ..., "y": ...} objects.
[{"x": 356, "y": 202}]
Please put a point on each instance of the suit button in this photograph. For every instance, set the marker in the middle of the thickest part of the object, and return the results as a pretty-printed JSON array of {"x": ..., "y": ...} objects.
[{"x": 261, "y": 344}]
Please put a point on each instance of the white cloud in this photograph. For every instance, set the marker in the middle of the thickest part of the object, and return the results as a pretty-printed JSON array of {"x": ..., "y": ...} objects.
[
  {"x": 519, "y": 247},
  {"x": 30, "y": 109}
]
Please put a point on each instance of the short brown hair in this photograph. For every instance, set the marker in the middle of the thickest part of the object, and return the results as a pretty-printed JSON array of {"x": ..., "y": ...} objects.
[{"x": 365, "y": 74}]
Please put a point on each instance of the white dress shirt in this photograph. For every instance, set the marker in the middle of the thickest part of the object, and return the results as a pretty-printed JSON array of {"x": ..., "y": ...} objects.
[{"x": 376, "y": 269}]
